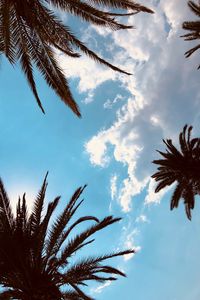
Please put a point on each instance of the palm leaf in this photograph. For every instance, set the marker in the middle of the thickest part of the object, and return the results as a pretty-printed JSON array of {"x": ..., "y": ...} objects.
[
  {"x": 195, "y": 8},
  {"x": 31, "y": 272},
  {"x": 193, "y": 27},
  {"x": 181, "y": 168},
  {"x": 38, "y": 206},
  {"x": 176, "y": 196},
  {"x": 5, "y": 207}
]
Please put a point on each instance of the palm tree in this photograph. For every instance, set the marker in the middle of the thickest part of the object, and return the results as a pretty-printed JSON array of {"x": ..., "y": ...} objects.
[
  {"x": 37, "y": 261},
  {"x": 182, "y": 167},
  {"x": 30, "y": 31},
  {"x": 193, "y": 27}
]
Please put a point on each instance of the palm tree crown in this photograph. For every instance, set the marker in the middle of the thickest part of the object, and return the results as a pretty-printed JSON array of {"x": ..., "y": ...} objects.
[
  {"x": 193, "y": 27},
  {"x": 182, "y": 167},
  {"x": 30, "y": 30},
  {"x": 37, "y": 260}
]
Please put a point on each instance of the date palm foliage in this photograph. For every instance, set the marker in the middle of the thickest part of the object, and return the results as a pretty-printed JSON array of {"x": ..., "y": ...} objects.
[
  {"x": 38, "y": 255},
  {"x": 193, "y": 27},
  {"x": 180, "y": 166},
  {"x": 30, "y": 31}
]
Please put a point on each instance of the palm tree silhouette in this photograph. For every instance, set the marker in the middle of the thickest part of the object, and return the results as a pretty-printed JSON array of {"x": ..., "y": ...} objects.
[
  {"x": 182, "y": 167},
  {"x": 30, "y": 31},
  {"x": 37, "y": 261},
  {"x": 193, "y": 27}
]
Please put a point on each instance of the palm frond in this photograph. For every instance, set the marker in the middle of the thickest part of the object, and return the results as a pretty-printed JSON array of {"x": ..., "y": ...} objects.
[
  {"x": 181, "y": 167},
  {"x": 39, "y": 267},
  {"x": 61, "y": 223},
  {"x": 195, "y": 8},
  {"x": 30, "y": 31},
  {"x": 5, "y": 207},
  {"x": 131, "y": 5},
  {"x": 193, "y": 27},
  {"x": 38, "y": 206}
]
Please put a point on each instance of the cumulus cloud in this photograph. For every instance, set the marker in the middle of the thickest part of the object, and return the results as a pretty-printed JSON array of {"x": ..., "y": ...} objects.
[
  {"x": 142, "y": 219},
  {"x": 97, "y": 151},
  {"x": 129, "y": 243},
  {"x": 90, "y": 73},
  {"x": 164, "y": 95},
  {"x": 109, "y": 103}
]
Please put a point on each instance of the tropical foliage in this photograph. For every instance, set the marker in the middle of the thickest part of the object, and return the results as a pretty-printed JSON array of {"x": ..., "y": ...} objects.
[
  {"x": 30, "y": 31},
  {"x": 193, "y": 27},
  {"x": 181, "y": 167},
  {"x": 37, "y": 261}
]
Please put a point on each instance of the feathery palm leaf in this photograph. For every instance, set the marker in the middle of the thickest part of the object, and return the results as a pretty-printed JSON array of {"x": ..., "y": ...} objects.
[
  {"x": 181, "y": 166},
  {"x": 41, "y": 264},
  {"x": 193, "y": 27},
  {"x": 30, "y": 30}
]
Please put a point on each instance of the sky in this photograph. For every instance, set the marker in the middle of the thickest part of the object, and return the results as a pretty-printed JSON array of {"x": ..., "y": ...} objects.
[{"x": 124, "y": 119}]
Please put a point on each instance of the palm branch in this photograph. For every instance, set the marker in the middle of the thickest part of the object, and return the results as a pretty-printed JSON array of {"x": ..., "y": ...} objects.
[
  {"x": 180, "y": 166},
  {"x": 193, "y": 27},
  {"x": 38, "y": 260},
  {"x": 30, "y": 31}
]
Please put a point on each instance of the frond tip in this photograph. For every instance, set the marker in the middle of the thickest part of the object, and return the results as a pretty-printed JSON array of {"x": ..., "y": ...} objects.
[{"x": 180, "y": 166}]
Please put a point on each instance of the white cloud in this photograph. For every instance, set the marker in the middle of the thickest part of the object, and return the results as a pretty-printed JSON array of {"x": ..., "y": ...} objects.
[
  {"x": 113, "y": 186},
  {"x": 97, "y": 151},
  {"x": 89, "y": 98},
  {"x": 153, "y": 197},
  {"x": 90, "y": 73},
  {"x": 109, "y": 103},
  {"x": 165, "y": 96},
  {"x": 164, "y": 92},
  {"x": 129, "y": 243},
  {"x": 142, "y": 219},
  {"x": 100, "y": 288}
]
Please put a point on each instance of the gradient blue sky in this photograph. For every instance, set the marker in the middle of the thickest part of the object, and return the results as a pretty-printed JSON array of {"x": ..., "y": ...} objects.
[{"x": 112, "y": 146}]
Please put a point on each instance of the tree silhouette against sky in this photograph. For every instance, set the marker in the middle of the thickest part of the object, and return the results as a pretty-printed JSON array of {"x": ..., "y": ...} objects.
[
  {"x": 38, "y": 260},
  {"x": 30, "y": 31},
  {"x": 181, "y": 167}
]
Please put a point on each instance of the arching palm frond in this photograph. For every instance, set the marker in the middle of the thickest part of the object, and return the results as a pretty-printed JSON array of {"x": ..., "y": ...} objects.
[
  {"x": 180, "y": 166},
  {"x": 193, "y": 27},
  {"x": 30, "y": 31},
  {"x": 43, "y": 265}
]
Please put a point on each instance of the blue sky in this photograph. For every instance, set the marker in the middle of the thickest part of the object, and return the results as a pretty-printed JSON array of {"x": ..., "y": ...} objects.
[{"x": 112, "y": 146}]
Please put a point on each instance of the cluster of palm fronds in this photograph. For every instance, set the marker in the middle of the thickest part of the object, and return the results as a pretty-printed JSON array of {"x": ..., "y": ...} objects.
[
  {"x": 193, "y": 27},
  {"x": 30, "y": 31},
  {"x": 37, "y": 260},
  {"x": 182, "y": 167}
]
